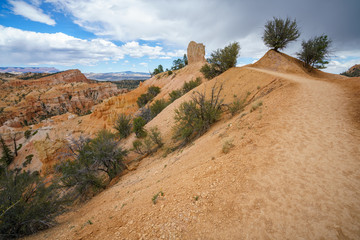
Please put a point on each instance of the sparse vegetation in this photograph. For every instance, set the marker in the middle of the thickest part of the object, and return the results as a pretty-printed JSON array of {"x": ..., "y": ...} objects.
[
  {"x": 156, "y": 196},
  {"x": 147, "y": 97},
  {"x": 175, "y": 94},
  {"x": 155, "y": 137},
  {"x": 194, "y": 118},
  {"x": 255, "y": 106},
  {"x": 138, "y": 127},
  {"x": 157, "y": 107},
  {"x": 147, "y": 144},
  {"x": 27, "y": 134},
  {"x": 28, "y": 160},
  {"x": 28, "y": 203},
  {"x": 188, "y": 86},
  {"x": 85, "y": 162},
  {"x": 123, "y": 126},
  {"x": 158, "y": 70},
  {"x": 237, "y": 106},
  {"x": 7, "y": 155},
  {"x": 278, "y": 33},
  {"x": 227, "y": 146},
  {"x": 315, "y": 51},
  {"x": 179, "y": 63},
  {"x": 221, "y": 60}
]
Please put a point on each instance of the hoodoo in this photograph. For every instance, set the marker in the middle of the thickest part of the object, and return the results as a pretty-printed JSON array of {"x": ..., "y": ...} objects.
[{"x": 196, "y": 52}]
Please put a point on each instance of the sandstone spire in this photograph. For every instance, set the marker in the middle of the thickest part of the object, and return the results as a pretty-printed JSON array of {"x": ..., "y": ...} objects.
[{"x": 195, "y": 52}]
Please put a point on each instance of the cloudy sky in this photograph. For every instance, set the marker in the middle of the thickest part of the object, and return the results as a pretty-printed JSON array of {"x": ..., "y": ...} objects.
[{"x": 138, "y": 35}]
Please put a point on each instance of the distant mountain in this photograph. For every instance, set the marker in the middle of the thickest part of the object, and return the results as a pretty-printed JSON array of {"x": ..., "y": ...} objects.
[
  {"x": 19, "y": 70},
  {"x": 118, "y": 76}
]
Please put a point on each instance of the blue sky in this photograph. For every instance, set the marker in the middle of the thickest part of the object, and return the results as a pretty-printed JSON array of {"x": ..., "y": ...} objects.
[{"x": 138, "y": 35}]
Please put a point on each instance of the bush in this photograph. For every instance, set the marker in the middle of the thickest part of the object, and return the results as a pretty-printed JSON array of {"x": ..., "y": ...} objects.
[
  {"x": 175, "y": 95},
  {"x": 27, "y": 134},
  {"x": 315, "y": 51},
  {"x": 143, "y": 100},
  {"x": 170, "y": 72},
  {"x": 147, "y": 97},
  {"x": 158, "y": 70},
  {"x": 279, "y": 32},
  {"x": 145, "y": 113},
  {"x": 155, "y": 137},
  {"x": 147, "y": 144},
  {"x": 28, "y": 204},
  {"x": 138, "y": 147},
  {"x": 188, "y": 86},
  {"x": 180, "y": 63},
  {"x": 221, "y": 60},
  {"x": 7, "y": 155},
  {"x": 87, "y": 159},
  {"x": 157, "y": 107},
  {"x": 123, "y": 126},
  {"x": 138, "y": 127},
  {"x": 195, "y": 117}
]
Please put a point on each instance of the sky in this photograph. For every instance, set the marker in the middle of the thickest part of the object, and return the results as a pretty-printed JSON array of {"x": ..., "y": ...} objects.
[{"x": 137, "y": 35}]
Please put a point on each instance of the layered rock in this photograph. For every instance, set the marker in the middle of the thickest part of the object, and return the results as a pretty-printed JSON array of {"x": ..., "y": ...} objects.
[
  {"x": 30, "y": 101},
  {"x": 195, "y": 52}
]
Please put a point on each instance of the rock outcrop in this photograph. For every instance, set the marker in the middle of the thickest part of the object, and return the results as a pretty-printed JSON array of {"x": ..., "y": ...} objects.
[
  {"x": 26, "y": 102},
  {"x": 354, "y": 71},
  {"x": 195, "y": 52}
]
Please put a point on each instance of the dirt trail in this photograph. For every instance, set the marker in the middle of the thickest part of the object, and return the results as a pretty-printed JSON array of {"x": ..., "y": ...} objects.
[{"x": 314, "y": 190}]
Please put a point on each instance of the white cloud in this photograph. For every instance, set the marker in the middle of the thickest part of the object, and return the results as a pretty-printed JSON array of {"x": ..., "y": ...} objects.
[
  {"x": 26, "y": 47},
  {"x": 31, "y": 12},
  {"x": 144, "y": 64}
]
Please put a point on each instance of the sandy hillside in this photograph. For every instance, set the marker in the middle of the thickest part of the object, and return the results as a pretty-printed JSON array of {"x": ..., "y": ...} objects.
[{"x": 293, "y": 173}]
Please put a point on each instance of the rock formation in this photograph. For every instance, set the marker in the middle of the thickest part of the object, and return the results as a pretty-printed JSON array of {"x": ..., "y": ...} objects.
[
  {"x": 196, "y": 52},
  {"x": 26, "y": 102}
]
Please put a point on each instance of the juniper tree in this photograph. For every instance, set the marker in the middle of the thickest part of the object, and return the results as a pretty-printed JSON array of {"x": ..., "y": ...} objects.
[
  {"x": 279, "y": 32},
  {"x": 315, "y": 51},
  {"x": 221, "y": 60}
]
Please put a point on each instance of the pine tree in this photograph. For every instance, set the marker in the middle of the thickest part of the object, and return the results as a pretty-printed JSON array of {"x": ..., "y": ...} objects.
[{"x": 7, "y": 155}]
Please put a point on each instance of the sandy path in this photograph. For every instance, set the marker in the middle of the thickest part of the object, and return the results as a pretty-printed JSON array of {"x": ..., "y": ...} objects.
[{"x": 313, "y": 191}]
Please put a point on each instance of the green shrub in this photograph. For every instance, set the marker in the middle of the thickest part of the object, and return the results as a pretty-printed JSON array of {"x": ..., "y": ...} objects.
[
  {"x": 147, "y": 97},
  {"x": 157, "y": 107},
  {"x": 315, "y": 51},
  {"x": 147, "y": 144},
  {"x": 158, "y": 70},
  {"x": 279, "y": 32},
  {"x": 145, "y": 113},
  {"x": 194, "y": 118},
  {"x": 221, "y": 60},
  {"x": 143, "y": 100},
  {"x": 155, "y": 137},
  {"x": 27, "y": 134},
  {"x": 170, "y": 72},
  {"x": 180, "y": 63},
  {"x": 123, "y": 126},
  {"x": 153, "y": 91},
  {"x": 28, "y": 160},
  {"x": 188, "y": 86},
  {"x": 7, "y": 155},
  {"x": 237, "y": 106},
  {"x": 175, "y": 95},
  {"x": 28, "y": 204},
  {"x": 138, "y": 127},
  {"x": 227, "y": 146},
  {"x": 138, "y": 147},
  {"x": 87, "y": 159}
]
